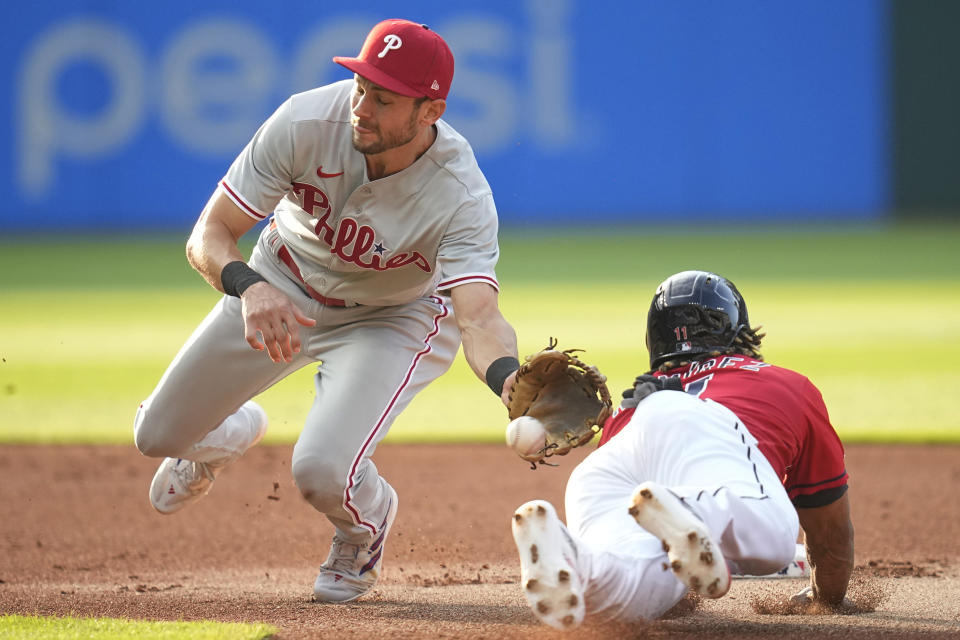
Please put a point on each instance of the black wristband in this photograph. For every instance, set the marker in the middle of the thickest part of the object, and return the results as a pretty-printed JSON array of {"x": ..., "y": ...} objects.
[
  {"x": 498, "y": 371},
  {"x": 237, "y": 276}
]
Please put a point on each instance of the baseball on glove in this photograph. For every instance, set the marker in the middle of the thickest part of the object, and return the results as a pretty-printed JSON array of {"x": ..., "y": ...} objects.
[{"x": 569, "y": 399}]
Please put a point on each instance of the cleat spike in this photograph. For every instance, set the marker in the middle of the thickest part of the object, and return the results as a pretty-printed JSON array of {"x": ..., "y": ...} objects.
[
  {"x": 691, "y": 553},
  {"x": 518, "y": 517},
  {"x": 549, "y": 577}
]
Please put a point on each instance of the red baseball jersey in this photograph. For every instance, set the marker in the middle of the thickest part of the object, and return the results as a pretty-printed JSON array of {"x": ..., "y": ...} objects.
[{"x": 785, "y": 413}]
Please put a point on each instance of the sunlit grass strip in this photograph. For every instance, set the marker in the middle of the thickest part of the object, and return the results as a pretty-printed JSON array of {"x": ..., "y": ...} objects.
[
  {"x": 870, "y": 316},
  {"x": 43, "y": 628},
  {"x": 80, "y": 379}
]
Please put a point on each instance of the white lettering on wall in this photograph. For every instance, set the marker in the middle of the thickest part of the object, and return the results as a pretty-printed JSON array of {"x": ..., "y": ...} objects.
[
  {"x": 217, "y": 77},
  {"x": 482, "y": 45},
  {"x": 551, "y": 63},
  {"x": 215, "y": 81},
  {"x": 312, "y": 66},
  {"x": 46, "y": 129}
]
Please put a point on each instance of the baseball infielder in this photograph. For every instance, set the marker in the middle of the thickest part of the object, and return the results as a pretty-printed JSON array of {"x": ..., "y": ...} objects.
[
  {"x": 378, "y": 260},
  {"x": 718, "y": 477}
]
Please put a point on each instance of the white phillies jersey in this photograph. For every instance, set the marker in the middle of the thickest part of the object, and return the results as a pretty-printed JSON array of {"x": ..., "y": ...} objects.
[{"x": 429, "y": 227}]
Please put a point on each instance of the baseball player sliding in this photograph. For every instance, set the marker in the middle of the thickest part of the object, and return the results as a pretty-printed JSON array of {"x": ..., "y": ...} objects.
[
  {"x": 379, "y": 259},
  {"x": 708, "y": 467}
]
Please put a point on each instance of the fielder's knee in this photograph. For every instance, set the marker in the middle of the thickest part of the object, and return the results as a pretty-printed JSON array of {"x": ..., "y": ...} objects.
[
  {"x": 153, "y": 437},
  {"x": 321, "y": 482}
]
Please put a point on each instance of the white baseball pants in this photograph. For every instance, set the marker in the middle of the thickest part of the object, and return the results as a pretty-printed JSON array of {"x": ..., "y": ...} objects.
[{"x": 703, "y": 453}]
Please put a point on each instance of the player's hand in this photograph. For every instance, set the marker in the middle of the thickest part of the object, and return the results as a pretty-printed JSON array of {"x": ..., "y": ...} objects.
[
  {"x": 267, "y": 311},
  {"x": 647, "y": 384},
  {"x": 507, "y": 388},
  {"x": 806, "y": 602},
  {"x": 804, "y": 598}
]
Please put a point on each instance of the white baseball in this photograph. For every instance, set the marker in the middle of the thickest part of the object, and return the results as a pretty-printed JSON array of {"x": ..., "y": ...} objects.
[{"x": 526, "y": 436}]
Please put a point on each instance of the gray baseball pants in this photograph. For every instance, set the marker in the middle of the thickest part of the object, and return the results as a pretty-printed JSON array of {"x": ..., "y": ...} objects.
[{"x": 372, "y": 362}]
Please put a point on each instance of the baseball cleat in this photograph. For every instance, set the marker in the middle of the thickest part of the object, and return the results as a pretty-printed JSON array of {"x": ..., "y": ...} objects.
[
  {"x": 693, "y": 556},
  {"x": 353, "y": 568},
  {"x": 179, "y": 482},
  {"x": 548, "y": 574}
]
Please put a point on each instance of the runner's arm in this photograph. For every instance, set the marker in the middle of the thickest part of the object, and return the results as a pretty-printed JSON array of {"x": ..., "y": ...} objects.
[{"x": 828, "y": 534}]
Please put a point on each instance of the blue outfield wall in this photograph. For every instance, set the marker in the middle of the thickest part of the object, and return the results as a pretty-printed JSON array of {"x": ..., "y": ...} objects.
[{"x": 125, "y": 114}]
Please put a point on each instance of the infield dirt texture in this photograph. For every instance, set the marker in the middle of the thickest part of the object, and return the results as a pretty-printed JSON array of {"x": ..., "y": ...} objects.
[{"x": 78, "y": 537}]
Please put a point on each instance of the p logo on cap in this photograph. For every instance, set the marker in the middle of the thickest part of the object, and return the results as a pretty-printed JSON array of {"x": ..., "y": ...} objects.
[
  {"x": 406, "y": 58},
  {"x": 393, "y": 42}
]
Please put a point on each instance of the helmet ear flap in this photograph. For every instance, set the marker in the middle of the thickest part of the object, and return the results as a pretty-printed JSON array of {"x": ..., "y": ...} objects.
[{"x": 743, "y": 318}]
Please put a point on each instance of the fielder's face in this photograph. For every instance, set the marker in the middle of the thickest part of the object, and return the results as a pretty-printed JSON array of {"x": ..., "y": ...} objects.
[{"x": 383, "y": 120}]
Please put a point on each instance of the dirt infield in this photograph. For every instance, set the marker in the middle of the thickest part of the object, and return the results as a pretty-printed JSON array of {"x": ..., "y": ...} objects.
[{"x": 78, "y": 536}]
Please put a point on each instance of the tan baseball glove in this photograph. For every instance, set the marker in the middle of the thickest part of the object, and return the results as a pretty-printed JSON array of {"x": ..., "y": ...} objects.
[{"x": 570, "y": 398}]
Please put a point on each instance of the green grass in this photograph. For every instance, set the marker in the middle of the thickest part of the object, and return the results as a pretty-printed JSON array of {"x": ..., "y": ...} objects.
[
  {"x": 27, "y": 627},
  {"x": 871, "y": 315}
]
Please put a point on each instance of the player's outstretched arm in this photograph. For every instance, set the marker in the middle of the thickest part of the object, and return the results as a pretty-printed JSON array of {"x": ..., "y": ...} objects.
[
  {"x": 486, "y": 334},
  {"x": 268, "y": 314},
  {"x": 828, "y": 533}
]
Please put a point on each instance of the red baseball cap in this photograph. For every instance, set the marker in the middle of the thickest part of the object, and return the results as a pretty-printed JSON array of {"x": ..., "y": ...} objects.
[{"x": 406, "y": 58}]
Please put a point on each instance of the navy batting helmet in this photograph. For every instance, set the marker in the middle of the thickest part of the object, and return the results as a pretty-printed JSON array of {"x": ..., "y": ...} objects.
[{"x": 693, "y": 313}]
